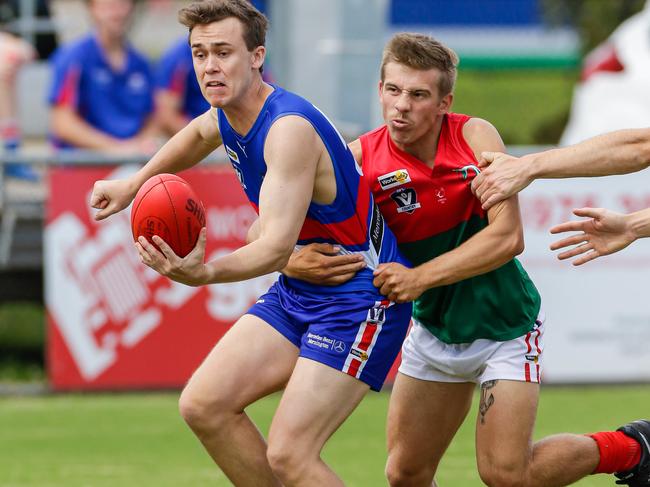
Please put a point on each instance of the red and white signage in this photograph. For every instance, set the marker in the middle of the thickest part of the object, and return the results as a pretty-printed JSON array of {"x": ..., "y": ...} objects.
[
  {"x": 597, "y": 314},
  {"x": 114, "y": 323}
]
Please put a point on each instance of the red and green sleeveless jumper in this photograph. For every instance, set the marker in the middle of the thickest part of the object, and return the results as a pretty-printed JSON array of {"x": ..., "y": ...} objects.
[{"x": 433, "y": 211}]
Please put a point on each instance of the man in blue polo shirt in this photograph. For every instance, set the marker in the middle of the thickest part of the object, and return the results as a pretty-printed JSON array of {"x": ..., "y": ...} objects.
[
  {"x": 102, "y": 90},
  {"x": 178, "y": 96}
]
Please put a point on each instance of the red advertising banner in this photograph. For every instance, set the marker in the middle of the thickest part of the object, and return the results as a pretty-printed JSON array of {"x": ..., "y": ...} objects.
[{"x": 113, "y": 323}]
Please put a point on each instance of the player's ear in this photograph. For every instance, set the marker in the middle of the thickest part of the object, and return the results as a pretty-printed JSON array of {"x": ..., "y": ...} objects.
[
  {"x": 445, "y": 103},
  {"x": 380, "y": 87},
  {"x": 258, "y": 55}
]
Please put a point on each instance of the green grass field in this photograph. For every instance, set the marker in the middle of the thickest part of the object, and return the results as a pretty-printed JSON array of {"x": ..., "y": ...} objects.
[
  {"x": 527, "y": 106},
  {"x": 140, "y": 440}
]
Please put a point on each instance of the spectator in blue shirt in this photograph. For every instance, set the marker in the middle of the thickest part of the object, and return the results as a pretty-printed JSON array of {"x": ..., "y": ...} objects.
[
  {"x": 102, "y": 89},
  {"x": 178, "y": 96}
]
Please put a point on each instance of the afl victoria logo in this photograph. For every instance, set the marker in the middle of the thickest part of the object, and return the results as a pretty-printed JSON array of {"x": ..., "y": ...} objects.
[{"x": 406, "y": 199}]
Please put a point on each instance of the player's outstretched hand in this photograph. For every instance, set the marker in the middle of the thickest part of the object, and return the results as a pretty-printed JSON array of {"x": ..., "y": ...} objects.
[
  {"x": 603, "y": 233},
  {"x": 321, "y": 263},
  {"x": 501, "y": 177},
  {"x": 190, "y": 270},
  {"x": 398, "y": 283},
  {"x": 111, "y": 196}
]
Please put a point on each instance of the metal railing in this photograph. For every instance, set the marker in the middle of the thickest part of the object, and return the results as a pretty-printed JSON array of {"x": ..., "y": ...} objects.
[
  {"x": 23, "y": 203},
  {"x": 27, "y": 25}
]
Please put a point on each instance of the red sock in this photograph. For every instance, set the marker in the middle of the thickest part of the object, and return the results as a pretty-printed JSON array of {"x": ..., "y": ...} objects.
[{"x": 618, "y": 452}]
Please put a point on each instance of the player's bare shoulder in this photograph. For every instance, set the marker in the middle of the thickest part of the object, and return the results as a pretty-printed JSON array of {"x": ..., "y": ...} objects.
[
  {"x": 291, "y": 127},
  {"x": 482, "y": 136},
  {"x": 292, "y": 135},
  {"x": 357, "y": 152},
  {"x": 208, "y": 126}
]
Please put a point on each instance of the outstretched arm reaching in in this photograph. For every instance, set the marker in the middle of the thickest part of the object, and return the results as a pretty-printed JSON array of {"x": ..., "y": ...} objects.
[
  {"x": 191, "y": 145},
  {"x": 619, "y": 152},
  {"x": 604, "y": 232}
]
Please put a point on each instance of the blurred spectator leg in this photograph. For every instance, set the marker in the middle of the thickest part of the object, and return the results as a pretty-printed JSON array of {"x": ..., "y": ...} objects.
[
  {"x": 10, "y": 135},
  {"x": 13, "y": 54}
]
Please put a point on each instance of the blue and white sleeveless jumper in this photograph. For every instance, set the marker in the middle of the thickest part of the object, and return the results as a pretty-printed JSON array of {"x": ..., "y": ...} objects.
[
  {"x": 349, "y": 327},
  {"x": 352, "y": 220}
]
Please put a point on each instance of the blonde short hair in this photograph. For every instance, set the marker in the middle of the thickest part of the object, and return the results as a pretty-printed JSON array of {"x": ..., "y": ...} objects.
[{"x": 419, "y": 51}]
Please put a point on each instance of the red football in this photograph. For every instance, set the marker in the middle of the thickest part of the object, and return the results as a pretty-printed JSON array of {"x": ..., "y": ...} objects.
[{"x": 168, "y": 207}]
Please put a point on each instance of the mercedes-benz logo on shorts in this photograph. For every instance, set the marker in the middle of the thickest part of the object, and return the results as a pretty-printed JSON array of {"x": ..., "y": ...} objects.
[{"x": 338, "y": 346}]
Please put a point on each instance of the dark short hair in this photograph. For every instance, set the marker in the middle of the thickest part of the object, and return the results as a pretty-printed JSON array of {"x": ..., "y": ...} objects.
[
  {"x": 208, "y": 11},
  {"x": 419, "y": 51}
]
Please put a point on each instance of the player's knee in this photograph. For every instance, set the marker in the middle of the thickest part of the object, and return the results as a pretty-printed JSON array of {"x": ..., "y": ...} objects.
[
  {"x": 191, "y": 408},
  {"x": 404, "y": 472},
  {"x": 200, "y": 413},
  {"x": 401, "y": 477},
  {"x": 288, "y": 463},
  {"x": 502, "y": 476}
]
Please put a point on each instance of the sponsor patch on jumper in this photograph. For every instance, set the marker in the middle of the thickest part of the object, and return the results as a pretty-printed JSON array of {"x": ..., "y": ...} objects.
[
  {"x": 532, "y": 358},
  {"x": 395, "y": 178},
  {"x": 360, "y": 354},
  {"x": 325, "y": 343},
  {"x": 232, "y": 155},
  {"x": 376, "y": 229},
  {"x": 240, "y": 176}
]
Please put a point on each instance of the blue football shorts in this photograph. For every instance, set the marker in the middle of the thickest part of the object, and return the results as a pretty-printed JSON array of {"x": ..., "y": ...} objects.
[{"x": 359, "y": 333}]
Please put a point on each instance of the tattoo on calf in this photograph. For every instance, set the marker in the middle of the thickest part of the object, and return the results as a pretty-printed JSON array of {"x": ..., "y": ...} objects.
[{"x": 487, "y": 398}]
